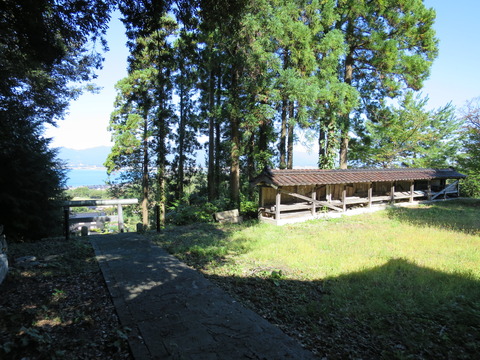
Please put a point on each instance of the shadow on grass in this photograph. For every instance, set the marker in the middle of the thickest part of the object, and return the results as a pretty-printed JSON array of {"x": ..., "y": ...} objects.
[
  {"x": 397, "y": 310},
  {"x": 458, "y": 215}
]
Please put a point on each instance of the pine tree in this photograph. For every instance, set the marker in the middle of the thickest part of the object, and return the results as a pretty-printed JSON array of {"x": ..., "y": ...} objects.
[
  {"x": 409, "y": 135},
  {"x": 390, "y": 46}
]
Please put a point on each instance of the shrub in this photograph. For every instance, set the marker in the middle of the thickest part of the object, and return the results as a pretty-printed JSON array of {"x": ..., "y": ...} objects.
[
  {"x": 249, "y": 209},
  {"x": 183, "y": 214},
  {"x": 470, "y": 186}
]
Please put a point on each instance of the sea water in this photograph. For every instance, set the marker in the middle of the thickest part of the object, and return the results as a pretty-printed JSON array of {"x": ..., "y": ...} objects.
[{"x": 86, "y": 177}]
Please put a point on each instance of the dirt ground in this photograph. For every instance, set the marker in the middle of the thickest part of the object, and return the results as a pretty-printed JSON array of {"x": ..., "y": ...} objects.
[{"x": 57, "y": 306}]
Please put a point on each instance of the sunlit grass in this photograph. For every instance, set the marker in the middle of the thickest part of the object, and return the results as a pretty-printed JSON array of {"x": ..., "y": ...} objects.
[
  {"x": 407, "y": 275},
  {"x": 320, "y": 249}
]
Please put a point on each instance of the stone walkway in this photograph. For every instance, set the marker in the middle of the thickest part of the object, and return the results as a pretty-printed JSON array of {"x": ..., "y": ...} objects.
[{"x": 175, "y": 313}]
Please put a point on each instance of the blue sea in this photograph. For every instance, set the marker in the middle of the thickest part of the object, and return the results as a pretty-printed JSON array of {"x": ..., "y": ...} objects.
[{"x": 87, "y": 177}]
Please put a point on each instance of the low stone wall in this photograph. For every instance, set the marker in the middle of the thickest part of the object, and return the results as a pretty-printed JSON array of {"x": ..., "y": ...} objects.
[{"x": 3, "y": 255}]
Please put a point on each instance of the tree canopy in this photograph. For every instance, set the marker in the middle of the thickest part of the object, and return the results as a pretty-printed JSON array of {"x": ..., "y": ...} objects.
[
  {"x": 47, "y": 51},
  {"x": 244, "y": 77}
]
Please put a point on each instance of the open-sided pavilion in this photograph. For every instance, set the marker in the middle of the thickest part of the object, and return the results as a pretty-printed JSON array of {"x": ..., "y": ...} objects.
[{"x": 293, "y": 194}]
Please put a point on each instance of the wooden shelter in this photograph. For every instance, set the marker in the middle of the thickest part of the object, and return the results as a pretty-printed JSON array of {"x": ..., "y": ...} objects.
[{"x": 287, "y": 194}]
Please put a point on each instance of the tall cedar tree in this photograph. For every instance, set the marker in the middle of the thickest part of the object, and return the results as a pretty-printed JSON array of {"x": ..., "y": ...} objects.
[
  {"x": 147, "y": 20},
  {"x": 185, "y": 138},
  {"x": 131, "y": 125}
]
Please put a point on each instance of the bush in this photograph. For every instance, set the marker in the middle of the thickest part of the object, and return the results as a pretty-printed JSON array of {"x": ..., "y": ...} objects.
[
  {"x": 249, "y": 209},
  {"x": 470, "y": 187},
  {"x": 184, "y": 214}
]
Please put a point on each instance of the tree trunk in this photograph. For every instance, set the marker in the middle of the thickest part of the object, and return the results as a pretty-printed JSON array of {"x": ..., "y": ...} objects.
[
  {"x": 218, "y": 139},
  {"x": 322, "y": 143},
  {"x": 145, "y": 182},
  {"x": 283, "y": 135},
  {"x": 181, "y": 145},
  {"x": 235, "y": 138},
  {"x": 345, "y": 126},
  {"x": 263, "y": 143},
  {"x": 344, "y": 151},
  {"x": 211, "y": 140},
  {"x": 291, "y": 128},
  {"x": 161, "y": 161},
  {"x": 251, "y": 164}
]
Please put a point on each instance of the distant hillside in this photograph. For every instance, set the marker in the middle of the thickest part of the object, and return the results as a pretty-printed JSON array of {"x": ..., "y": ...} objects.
[
  {"x": 88, "y": 157},
  {"x": 96, "y": 157}
]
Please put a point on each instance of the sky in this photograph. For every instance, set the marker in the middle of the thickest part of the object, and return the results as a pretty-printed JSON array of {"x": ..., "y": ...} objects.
[{"x": 455, "y": 75}]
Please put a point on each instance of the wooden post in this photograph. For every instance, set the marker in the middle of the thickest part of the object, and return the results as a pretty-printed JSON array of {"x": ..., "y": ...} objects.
[
  {"x": 412, "y": 188},
  {"x": 278, "y": 201},
  {"x": 328, "y": 193},
  {"x": 429, "y": 190},
  {"x": 344, "y": 197},
  {"x": 66, "y": 223},
  {"x": 458, "y": 188},
  {"x": 370, "y": 194},
  {"x": 157, "y": 217},
  {"x": 314, "y": 197},
  {"x": 392, "y": 193},
  {"x": 444, "y": 182},
  {"x": 120, "y": 218}
]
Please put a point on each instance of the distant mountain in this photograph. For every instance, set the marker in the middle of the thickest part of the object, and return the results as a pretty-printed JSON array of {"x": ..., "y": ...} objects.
[
  {"x": 95, "y": 157},
  {"x": 84, "y": 158}
]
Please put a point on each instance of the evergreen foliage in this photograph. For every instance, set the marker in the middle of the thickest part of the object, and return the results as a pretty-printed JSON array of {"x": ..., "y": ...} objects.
[
  {"x": 409, "y": 135},
  {"x": 248, "y": 75},
  {"x": 251, "y": 74},
  {"x": 47, "y": 50},
  {"x": 470, "y": 159}
]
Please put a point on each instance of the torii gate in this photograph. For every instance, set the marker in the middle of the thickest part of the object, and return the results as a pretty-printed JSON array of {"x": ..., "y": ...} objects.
[{"x": 75, "y": 203}]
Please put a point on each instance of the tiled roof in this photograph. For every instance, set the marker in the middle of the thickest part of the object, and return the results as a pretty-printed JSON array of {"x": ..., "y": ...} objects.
[{"x": 348, "y": 176}]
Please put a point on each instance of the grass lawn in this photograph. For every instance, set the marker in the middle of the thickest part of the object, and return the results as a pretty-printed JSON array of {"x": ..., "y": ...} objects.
[{"x": 400, "y": 283}]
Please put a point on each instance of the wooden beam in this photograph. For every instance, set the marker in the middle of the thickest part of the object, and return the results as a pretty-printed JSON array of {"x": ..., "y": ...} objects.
[
  {"x": 120, "y": 218},
  {"x": 344, "y": 197},
  {"x": 306, "y": 198},
  {"x": 99, "y": 202},
  {"x": 370, "y": 194},
  {"x": 412, "y": 188},
  {"x": 314, "y": 197},
  {"x": 444, "y": 191},
  {"x": 328, "y": 193},
  {"x": 429, "y": 190},
  {"x": 278, "y": 202},
  {"x": 392, "y": 193}
]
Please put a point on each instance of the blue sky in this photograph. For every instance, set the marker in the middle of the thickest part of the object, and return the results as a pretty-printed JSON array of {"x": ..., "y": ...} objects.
[{"x": 454, "y": 75}]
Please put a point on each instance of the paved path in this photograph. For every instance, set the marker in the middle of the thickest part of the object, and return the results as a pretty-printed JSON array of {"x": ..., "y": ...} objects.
[{"x": 175, "y": 313}]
